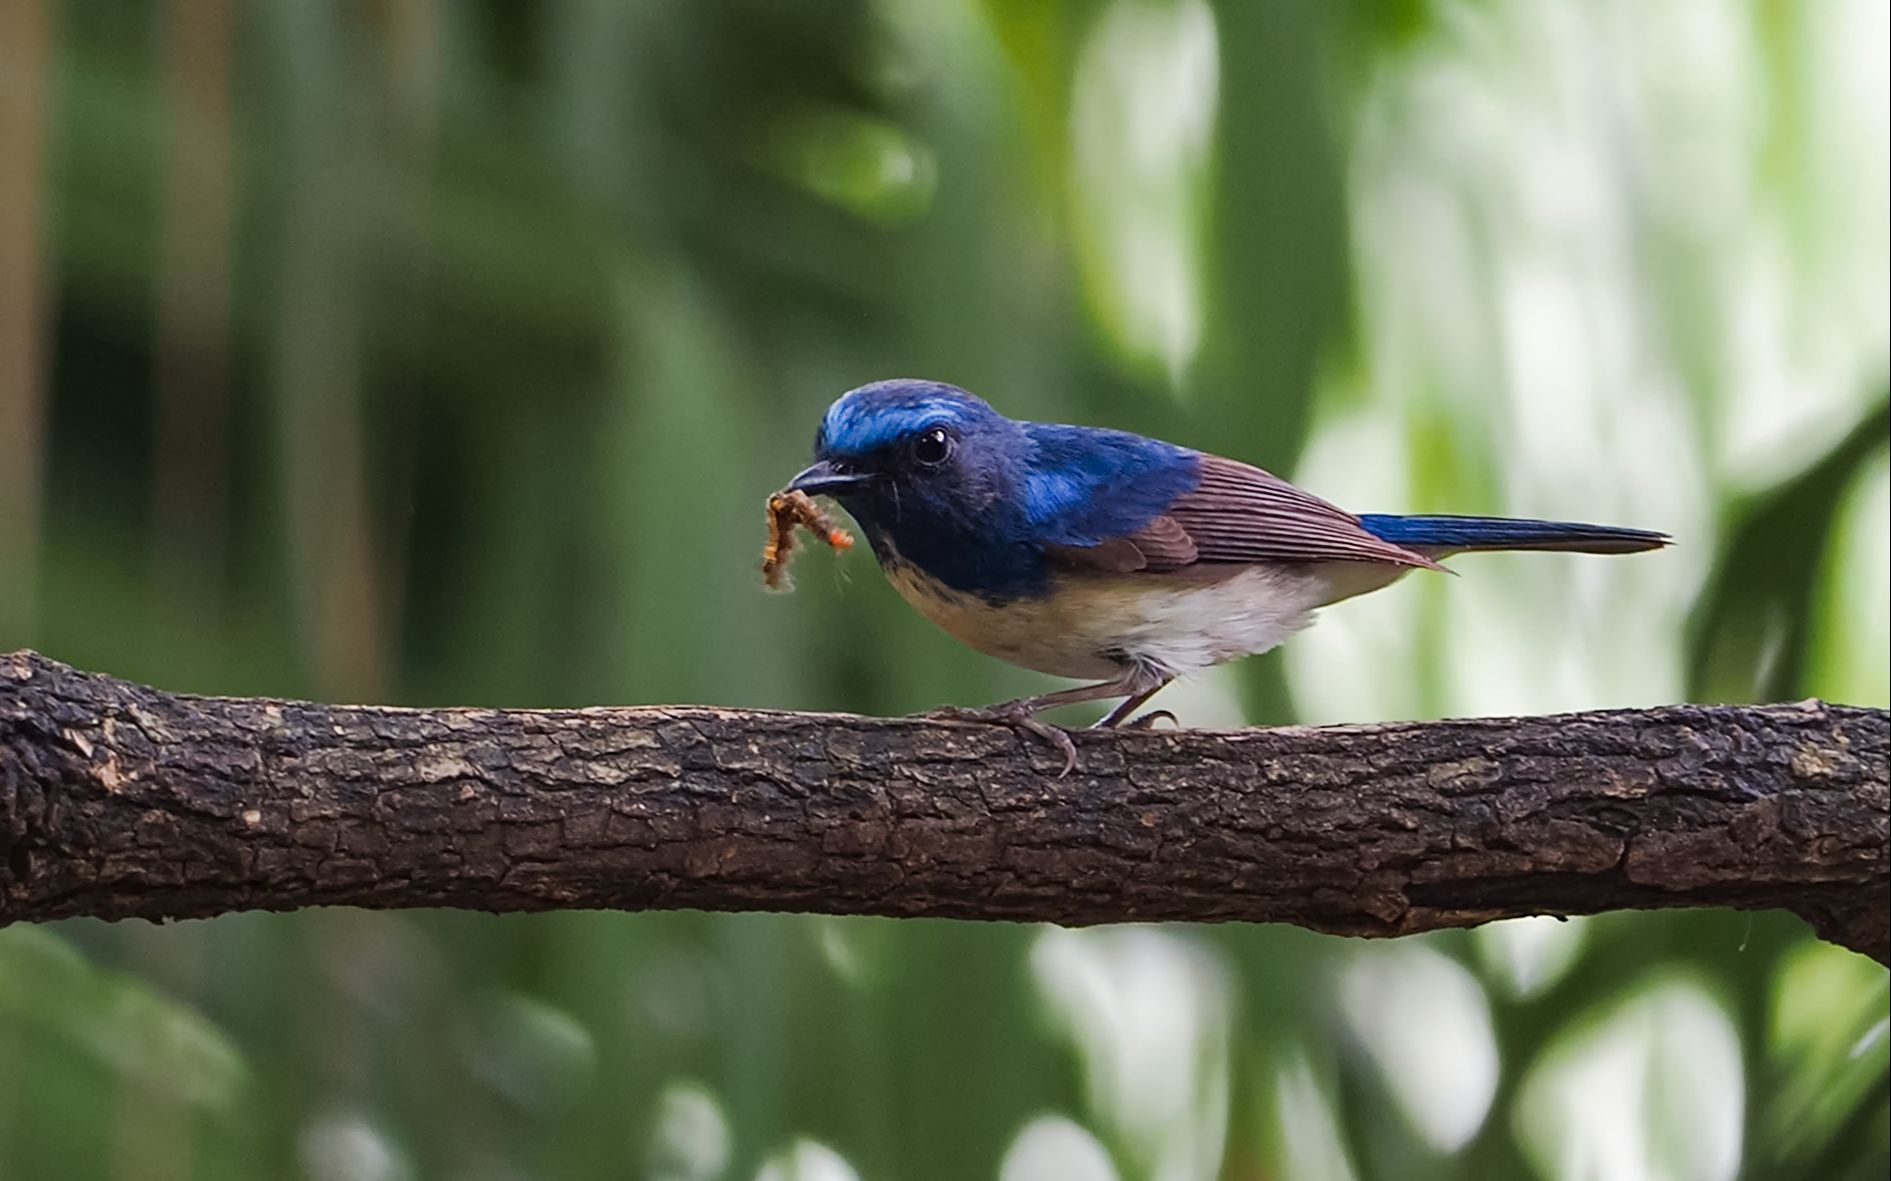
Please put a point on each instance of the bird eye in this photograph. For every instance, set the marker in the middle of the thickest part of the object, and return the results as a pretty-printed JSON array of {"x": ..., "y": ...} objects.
[{"x": 932, "y": 447}]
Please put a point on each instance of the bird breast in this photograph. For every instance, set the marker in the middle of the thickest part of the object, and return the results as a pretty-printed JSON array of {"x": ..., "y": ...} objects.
[{"x": 1092, "y": 625}]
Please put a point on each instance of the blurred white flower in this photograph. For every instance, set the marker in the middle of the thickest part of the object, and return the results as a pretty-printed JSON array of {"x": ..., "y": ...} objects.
[
  {"x": 344, "y": 1146},
  {"x": 691, "y": 1140},
  {"x": 1142, "y": 126},
  {"x": 1530, "y": 954},
  {"x": 1653, "y": 1091},
  {"x": 1423, "y": 1019},
  {"x": 808, "y": 1161},
  {"x": 1149, "y": 1012},
  {"x": 1052, "y": 1148},
  {"x": 1310, "y": 1146}
]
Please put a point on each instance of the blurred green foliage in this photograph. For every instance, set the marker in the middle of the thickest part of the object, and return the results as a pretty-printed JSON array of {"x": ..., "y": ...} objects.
[{"x": 433, "y": 352}]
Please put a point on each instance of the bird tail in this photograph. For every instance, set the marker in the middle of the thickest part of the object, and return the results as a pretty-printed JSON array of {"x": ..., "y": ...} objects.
[{"x": 1437, "y": 535}]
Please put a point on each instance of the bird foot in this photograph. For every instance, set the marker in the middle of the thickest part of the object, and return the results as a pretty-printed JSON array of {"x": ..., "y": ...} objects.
[
  {"x": 1020, "y": 720},
  {"x": 1148, "y": 721}
]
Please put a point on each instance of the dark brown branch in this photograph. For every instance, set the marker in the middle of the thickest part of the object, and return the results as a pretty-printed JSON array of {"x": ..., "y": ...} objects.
[{"x": 118, "y": 800}]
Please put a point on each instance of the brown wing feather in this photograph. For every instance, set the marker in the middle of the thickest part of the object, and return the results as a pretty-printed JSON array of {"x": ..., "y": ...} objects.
[
  {"x": 1240, "y": 514},
  {"x": 1165, "y": 544},
  {"x": 1118, "y": 555}
]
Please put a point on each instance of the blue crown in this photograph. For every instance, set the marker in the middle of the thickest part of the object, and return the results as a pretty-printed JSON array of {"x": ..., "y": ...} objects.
[{"x": 865, "y": 419}]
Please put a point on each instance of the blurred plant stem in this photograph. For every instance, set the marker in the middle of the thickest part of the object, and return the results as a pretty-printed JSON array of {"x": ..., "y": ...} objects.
[
  {"x": 1279, "y": 266},
  {"x": 1748, "y": 634},
  {"x": 319, "y": 361},
  {"x": 151, "y": 1139},
  {"x": 191, "y": 366},
  {"x": 26, "y": 46},
  {"x": 408, "y": 80}
]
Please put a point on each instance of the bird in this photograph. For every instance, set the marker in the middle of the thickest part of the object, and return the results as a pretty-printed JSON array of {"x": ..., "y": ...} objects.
[{"x": 1109, "y": 557}]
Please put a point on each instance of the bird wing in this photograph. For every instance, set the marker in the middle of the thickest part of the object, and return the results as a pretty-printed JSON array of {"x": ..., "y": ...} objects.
[{"x": 1238, "y": 514}]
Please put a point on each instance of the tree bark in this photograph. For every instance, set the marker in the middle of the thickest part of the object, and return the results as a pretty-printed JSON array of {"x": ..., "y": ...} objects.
[{"x": 120, "y": 801}]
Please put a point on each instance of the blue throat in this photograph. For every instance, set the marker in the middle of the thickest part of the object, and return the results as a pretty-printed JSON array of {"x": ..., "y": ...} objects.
[{"x": 991, "y": 556}]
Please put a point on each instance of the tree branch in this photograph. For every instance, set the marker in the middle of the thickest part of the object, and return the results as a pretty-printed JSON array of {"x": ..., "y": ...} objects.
[{"x": 118, "y": 801}]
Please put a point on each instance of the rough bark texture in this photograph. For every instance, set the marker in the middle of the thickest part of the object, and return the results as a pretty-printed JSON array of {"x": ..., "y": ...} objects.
[{"x": 118, "y": 800}]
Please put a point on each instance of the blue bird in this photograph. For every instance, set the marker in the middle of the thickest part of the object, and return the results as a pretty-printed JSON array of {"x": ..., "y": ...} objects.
[{"x": 1103, "y": 555}]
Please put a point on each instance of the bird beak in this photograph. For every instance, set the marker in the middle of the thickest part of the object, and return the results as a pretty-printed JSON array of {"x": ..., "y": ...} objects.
[{"x": 822, "y": 480}]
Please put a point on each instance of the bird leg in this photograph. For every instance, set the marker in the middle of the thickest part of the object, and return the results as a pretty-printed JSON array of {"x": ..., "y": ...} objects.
[
  {"x": 1138, "y": 683},
  {"x": 1129, "y": 706}
]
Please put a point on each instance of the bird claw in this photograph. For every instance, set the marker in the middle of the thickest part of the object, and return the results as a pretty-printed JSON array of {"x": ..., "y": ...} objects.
[
  {"x": 1148, "y": 721},
  {"x": 1019, "y": 720}
]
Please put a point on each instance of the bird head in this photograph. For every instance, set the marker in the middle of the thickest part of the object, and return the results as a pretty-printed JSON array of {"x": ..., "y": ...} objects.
[{"x": 917, "y": 462}]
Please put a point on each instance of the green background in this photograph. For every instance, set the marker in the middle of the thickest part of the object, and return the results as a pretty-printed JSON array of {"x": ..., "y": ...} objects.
[{"x": 442, "y": 352}]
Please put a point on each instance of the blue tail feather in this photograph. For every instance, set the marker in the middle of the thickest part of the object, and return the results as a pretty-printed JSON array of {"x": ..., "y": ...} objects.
[{"x": 1508, "y": 533}]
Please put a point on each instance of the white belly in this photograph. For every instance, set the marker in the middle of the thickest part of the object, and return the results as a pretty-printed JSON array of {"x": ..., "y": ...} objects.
[{"x": 1091, "y": 625}]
